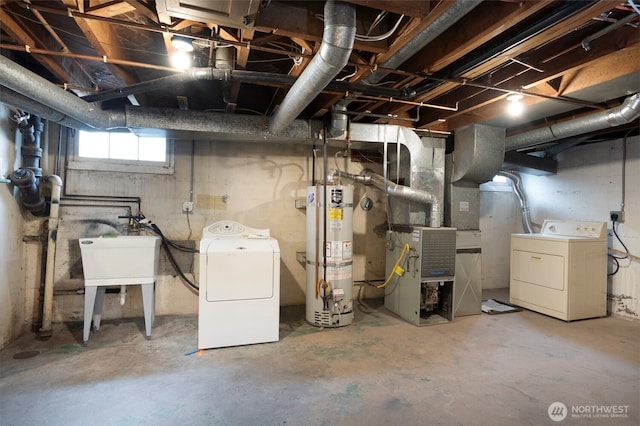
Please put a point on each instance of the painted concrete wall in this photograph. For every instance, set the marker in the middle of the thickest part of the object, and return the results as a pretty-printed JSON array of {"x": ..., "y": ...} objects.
[
  {"x": 12, "y": 265},
  {"x": 252, "y": 183},
  {"x": 587, "y": 186},
  {"x": 258, "y": 185},
  {"x": 499, "y": 218}
]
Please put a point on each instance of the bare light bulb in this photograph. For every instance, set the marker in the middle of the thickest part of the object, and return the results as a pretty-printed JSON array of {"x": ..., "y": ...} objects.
[
  {"x": 515, "y": 107},
  {"x": 180, "y": 60}
]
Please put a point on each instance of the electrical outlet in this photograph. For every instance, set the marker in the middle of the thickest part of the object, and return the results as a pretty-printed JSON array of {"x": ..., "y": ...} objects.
[
  {"x": 187, "y": 206},
  {"x": 616, "y": 216}
]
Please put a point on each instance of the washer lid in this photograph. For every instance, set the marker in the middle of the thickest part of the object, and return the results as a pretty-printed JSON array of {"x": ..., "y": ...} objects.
[{"x": 229, "y": 228}]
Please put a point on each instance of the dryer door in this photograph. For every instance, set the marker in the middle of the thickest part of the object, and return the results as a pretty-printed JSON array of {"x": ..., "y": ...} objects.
[{"x": 240, "y": 269}]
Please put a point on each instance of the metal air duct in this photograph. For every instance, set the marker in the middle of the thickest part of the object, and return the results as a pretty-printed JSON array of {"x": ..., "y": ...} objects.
[
  {"x": 337, "y": 43},
  {"x": 31, "y": 85},
  {"x": 623, "y": 114},
  {"x": 393, "y": 189},
  {"x": 456, "y": 11}
]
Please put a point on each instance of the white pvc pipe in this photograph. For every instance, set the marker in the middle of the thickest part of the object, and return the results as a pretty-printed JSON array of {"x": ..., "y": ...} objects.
[{"x": 47, "y": 306}]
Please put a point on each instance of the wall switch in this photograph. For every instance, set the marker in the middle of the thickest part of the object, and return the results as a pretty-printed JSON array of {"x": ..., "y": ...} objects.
[
  {"x": 616, "y": 216},
  {"x": 187, "y": 206}
]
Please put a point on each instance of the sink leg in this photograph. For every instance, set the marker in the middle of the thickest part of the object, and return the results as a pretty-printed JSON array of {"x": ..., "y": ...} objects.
[
  {"x": 97, "y": 308},
  {"x": 89, "y": 303},
  {"x": 148, "y": 303}
]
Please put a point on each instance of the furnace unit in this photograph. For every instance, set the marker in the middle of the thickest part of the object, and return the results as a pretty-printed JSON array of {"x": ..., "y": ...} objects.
[{"x": 422, "y": 261}]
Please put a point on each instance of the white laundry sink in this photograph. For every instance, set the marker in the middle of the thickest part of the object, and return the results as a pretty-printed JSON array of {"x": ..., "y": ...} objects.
[
  {"x": 118, "y": 260},
  {"x": 121, "y": 259}
]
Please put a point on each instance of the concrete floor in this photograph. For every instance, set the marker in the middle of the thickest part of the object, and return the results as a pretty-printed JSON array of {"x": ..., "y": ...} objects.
[{"x": 479, "y": 370}]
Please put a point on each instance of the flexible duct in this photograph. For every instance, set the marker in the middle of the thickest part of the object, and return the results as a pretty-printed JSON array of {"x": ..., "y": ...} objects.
[
  {"x": 393, "y": 189},
  {"x": 623, "y": 114},
  {"x": 47, "y": 305},
  {"x": 522, "y": 199},
  {"x": 337, "y": 43}
]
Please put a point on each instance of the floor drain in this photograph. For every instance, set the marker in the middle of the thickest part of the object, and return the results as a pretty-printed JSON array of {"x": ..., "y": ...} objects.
[{"x": 26, "y": 354}]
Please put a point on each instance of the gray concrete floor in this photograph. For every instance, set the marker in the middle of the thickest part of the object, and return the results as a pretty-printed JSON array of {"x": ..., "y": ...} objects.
[{"x": 479, "y": 370}]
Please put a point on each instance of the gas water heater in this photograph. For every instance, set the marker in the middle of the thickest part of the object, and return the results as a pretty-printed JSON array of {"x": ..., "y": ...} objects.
[{"x": 329, "y": 255}]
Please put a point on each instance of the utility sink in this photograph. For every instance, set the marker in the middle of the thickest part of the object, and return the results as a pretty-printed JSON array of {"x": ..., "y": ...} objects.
[{"x": 118, "y": 260}]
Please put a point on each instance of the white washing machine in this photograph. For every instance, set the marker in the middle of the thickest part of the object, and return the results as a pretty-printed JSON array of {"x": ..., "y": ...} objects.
[
  {"x": 239, "y": 300},
  {"x": 562, "y": 271}
]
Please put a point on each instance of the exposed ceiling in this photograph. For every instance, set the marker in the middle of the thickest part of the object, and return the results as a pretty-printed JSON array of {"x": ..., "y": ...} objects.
[{"x": 450, "y": 63}]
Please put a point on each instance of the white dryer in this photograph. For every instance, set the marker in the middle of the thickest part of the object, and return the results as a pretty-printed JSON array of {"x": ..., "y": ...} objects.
[
  {"x": 562, "y": 271},
  {"x": 239, "y": 300}
]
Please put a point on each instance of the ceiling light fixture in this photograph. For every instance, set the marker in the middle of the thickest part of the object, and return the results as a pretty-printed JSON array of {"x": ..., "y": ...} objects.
[
  {"x": 181, "y": 60},
  {"x": 515, "y": 107},
  {"x": 181, "y": 43}
]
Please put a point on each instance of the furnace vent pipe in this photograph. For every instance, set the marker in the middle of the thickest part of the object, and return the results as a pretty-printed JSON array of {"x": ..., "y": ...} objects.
[
  {"x": 337, "y": 43},
  {"x": 393, "y": 189},
  {"x": 522, "y": 199},
  {"x": 623, "y": 114}
]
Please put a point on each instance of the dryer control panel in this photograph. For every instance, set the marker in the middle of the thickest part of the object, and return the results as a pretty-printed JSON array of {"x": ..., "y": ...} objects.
[{"x": 574, "y": 228}]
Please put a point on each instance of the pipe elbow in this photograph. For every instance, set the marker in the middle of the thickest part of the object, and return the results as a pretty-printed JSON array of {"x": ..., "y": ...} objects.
[
  {"x": 627, "y": 112},
  {"x": 53, "y": 180}
]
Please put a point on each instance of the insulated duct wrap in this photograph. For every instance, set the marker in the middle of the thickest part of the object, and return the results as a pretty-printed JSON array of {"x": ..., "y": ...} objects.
[{"x": 623, "y": 114}]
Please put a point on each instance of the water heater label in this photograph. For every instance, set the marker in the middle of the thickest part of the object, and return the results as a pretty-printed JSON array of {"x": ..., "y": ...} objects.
[
  {"x": 335, "y": 225},
  {"x": 335, "y": 214},
  {"x": 347, "y": 250},
  {"x": 339, "y": 272}
]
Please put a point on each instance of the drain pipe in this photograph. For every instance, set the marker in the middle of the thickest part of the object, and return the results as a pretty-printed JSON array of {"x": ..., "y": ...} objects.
[
  {"x": 337, "y": 43},
  {"x": 393, "y": 189},
  {"x": 623, "y": 114},
  {"x": 54, "y": 220},
  {"x": 522, "y": 199}
]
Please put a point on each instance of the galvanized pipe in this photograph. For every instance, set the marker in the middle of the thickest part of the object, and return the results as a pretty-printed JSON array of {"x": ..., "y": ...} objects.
[
  {"x": 623, "y": 114},
  {"x": 337, "y": 43}
]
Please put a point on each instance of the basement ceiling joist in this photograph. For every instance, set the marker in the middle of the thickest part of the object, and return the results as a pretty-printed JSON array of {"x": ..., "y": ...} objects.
[{"x": 533, "y": 47}]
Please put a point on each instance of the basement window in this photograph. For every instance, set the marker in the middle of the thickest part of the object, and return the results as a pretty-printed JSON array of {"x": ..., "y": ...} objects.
[{"x": 121, "y": 152}]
